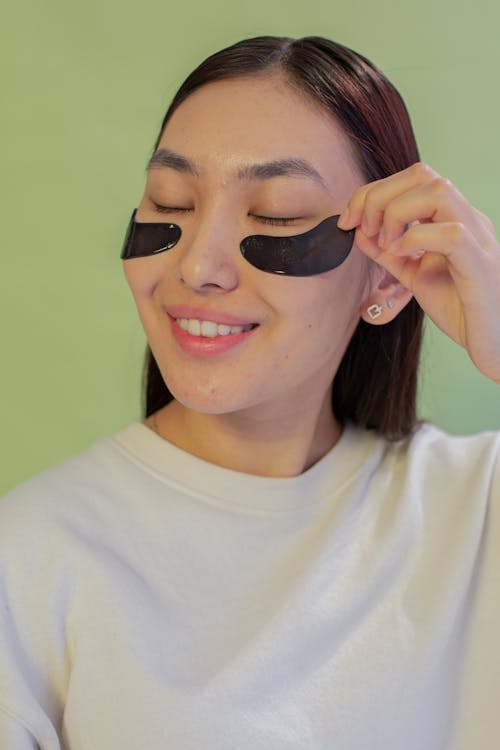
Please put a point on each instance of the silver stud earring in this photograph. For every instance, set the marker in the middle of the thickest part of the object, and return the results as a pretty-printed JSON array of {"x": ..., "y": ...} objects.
[
  {"x": 374, "y": 311},
  {"x": 390, "y": 304}
]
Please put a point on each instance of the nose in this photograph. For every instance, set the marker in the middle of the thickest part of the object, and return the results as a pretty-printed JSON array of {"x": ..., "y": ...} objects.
[{"x": 208, "y": 257}]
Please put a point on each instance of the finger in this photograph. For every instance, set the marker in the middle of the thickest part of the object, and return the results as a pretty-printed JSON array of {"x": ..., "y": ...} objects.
[
  {"x": 402, "y": 267},
  {"x": 485, "y": 223},
  {"x": 367, "y": 204},
  {"x": 434, "y": 201},
  {"x": 452, "y": 240}
]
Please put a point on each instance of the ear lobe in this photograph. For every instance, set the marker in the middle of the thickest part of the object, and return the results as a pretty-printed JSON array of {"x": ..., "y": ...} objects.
[{"x": 386, "y": 300}]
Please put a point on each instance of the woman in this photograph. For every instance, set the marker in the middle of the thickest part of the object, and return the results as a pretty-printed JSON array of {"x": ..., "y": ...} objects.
[{"x": 280, "y": 555}]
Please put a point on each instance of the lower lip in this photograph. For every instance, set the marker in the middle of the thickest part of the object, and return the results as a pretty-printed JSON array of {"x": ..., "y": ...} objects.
[{"x": 205, "y": 346}]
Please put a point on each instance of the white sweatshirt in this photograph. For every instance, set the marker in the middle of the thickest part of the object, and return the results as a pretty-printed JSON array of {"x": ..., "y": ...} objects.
[{"x": 150, "y": 600}]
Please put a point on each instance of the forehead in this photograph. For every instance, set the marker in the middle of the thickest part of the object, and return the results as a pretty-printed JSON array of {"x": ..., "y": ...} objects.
[{"x": 227, "y": 124}]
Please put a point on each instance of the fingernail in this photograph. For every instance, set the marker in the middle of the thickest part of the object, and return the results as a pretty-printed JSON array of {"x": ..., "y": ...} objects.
[
  {"x": 381, "y": 238},
  {"x": 343, "y": 218}
]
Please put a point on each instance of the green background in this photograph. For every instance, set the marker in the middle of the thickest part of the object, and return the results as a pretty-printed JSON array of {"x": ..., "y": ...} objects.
[{"x": 84, "y": 91}]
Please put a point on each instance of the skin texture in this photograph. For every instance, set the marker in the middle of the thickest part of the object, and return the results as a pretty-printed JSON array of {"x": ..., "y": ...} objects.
[{"x": 264, "y": 406}]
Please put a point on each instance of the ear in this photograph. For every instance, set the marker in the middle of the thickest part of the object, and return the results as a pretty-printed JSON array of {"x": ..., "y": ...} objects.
[{"x": 386, "y": 298}]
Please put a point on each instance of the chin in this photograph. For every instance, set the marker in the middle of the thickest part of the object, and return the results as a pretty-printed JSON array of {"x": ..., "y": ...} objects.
[{"x": 205, "y": 400}]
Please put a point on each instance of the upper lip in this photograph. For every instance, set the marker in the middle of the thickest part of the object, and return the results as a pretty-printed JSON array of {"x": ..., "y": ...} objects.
[{"x": 201, "y": 313}]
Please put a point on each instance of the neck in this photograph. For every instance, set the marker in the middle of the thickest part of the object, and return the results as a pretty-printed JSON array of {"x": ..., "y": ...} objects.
[{"x": 254, "y": 441}]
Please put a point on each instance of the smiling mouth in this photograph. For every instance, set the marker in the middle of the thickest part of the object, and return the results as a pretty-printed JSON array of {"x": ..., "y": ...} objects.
[{"x": 210, "y": 329}]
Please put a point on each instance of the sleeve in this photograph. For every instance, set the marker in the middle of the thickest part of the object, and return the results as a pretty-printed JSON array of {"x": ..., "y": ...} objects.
[
  {"x": 28, "y": 709},
  {"x": 495, "y": 484},
  {"x": 24, "y": 724},
  {"x": 479, "y": 685},
  {"x": 14, "y": 736}
]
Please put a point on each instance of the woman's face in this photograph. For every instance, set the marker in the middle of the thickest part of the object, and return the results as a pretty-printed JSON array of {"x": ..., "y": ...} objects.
[{"x": 211, "y": 187}]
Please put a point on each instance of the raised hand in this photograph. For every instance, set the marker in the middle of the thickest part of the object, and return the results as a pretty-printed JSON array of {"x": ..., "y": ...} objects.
[{"x": 419, "y": 227}]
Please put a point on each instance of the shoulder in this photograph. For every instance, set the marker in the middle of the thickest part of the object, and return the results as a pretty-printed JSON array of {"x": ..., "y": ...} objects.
[
  {"x": 438, "y": 463},
  {"x": 434, "y": 447},
  {"x": 81, "y": 490},
  {"x": 55, "y": 529}
]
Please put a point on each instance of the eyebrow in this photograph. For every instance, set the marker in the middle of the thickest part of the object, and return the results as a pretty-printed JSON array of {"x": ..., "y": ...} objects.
[{"x": 288, "y": 167}]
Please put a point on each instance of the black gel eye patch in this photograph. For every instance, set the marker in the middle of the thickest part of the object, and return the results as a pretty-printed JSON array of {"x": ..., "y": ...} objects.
[
  {"x": 320, "y": 249},
  {"x": 148, "y": 238}
]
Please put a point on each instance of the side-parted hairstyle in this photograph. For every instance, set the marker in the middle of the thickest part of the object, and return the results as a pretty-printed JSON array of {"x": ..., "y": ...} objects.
[{"x": 376, "y": 383}]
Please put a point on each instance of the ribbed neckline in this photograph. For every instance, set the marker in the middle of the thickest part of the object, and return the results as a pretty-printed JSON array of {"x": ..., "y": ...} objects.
[{"x": 234, "y": 489}]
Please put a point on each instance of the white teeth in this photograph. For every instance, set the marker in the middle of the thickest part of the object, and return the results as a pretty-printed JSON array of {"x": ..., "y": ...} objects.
[
  {"x": 208, "y": 328},
  {"x": 194, "y": 327}
]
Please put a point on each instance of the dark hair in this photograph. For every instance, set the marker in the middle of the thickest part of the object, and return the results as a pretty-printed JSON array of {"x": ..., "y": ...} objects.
[{"x": 376, "y": 383}]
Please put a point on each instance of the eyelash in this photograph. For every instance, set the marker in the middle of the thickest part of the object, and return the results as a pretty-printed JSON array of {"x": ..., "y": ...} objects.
[{"x": 275, "y": 221}]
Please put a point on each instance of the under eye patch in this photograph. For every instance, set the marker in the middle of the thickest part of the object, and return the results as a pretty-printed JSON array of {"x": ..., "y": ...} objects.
[
  {"x": 318, "y": 250},
  {"x": 148, "y": 238}
]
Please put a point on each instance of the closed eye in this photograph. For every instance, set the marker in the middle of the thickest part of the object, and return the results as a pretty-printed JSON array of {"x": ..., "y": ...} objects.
[
  {"x": 170, "y": 209},
  {"x": 273, "y": 220},
  {"x": 277, "y": 221}
]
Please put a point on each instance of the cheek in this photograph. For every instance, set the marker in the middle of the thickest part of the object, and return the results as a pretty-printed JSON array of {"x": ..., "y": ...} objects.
[
  {"x": 324, "y": 311},
  {"x": 143, "y": 276},
  {"x": 344, "y": 288},
  {"x": 332, "y": 300}
]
